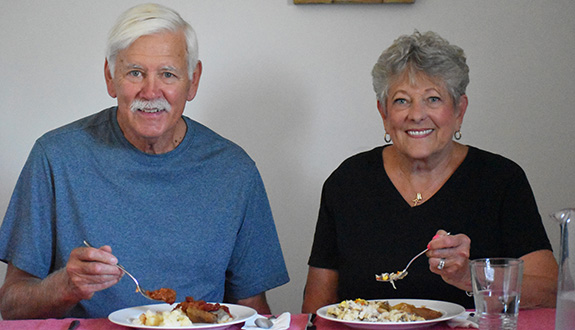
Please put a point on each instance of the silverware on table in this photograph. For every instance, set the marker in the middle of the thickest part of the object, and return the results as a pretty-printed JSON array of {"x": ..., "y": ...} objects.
[
  {"x": 310, "y": 319},
  {"x": 265, "y": 322},
  {"x": 74, "y": 324}
]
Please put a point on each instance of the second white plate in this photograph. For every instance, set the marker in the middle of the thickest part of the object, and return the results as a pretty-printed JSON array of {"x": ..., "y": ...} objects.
[{"x": 449, "y": 311}]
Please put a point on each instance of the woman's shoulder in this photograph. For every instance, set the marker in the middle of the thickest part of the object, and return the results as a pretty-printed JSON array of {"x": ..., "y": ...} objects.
[
  {"x": 479, "y": 159},
  {"x": 354, "y": 168},
  {"x": 363, "y": 159}
]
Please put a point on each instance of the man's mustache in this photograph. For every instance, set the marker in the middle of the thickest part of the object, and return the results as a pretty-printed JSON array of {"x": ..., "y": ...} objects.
[{"x": 155, "y": 105}]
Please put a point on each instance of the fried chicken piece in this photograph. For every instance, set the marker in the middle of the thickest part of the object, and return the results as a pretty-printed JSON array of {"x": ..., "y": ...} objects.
[
  {"x": 200, "y": 316},
  {"x": 163, "y": 294},
  {"x": 426, "y": 313},
  {"x": 202, "y": 312}
]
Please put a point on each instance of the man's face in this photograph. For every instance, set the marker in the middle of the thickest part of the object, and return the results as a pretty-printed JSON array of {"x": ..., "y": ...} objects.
[{"x": 152, "y": 71}]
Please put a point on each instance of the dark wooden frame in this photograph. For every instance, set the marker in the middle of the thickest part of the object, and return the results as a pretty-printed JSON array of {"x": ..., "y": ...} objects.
[{"x": 303, "y": 2}]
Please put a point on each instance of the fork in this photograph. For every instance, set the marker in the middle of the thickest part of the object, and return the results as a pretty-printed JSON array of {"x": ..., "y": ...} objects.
[
  {"x": 386, "y": 277},
  {"x": 138, "y": 287}
]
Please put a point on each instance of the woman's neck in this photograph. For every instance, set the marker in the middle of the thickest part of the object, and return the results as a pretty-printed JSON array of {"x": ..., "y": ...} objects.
[{"x": 419, "y": 179}]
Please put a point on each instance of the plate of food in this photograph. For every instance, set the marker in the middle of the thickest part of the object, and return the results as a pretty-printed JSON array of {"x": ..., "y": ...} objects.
[
  {"x": 186, "y": 315},
  {"x": 392, "y": 314}
]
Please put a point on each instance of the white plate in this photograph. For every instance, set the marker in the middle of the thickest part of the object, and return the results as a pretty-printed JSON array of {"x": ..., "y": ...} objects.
[
  {"x": 127, "y": 315},
  {"x": 449, "y": 310}
]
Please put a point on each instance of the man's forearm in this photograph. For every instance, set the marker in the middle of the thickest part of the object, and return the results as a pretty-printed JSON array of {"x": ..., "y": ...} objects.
[
  {"x": 257, "y": 302},
  {"x": 31, "y": 297}
]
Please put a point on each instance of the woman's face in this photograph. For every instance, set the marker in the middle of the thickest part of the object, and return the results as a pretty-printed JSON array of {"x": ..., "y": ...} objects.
[{"x": 421, "y": 116}]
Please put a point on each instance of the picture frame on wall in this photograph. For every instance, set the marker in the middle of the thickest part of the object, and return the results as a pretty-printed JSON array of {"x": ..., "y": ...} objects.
[{"x": 302, "y": 2}]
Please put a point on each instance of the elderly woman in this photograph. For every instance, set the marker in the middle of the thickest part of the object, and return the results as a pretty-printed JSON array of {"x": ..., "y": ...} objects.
[{"x": 383, "y": 206}]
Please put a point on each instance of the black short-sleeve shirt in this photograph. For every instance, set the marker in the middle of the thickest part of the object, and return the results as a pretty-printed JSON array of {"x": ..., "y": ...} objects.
[{"x": 365, "y": 227}]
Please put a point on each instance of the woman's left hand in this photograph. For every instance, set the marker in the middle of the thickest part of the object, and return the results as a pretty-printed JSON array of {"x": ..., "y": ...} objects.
[{"x": 449, "y": 257}]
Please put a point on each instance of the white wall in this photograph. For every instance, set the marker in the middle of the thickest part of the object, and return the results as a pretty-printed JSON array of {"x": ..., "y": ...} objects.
[{"x": 291, "y": 84}]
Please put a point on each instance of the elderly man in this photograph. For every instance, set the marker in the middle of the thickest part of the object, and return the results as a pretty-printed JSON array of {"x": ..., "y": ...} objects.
[{"x": 182, "y": 207}]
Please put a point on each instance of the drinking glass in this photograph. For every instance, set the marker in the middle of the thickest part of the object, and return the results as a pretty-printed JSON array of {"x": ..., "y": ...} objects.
[{"x": 497, "y": 291}]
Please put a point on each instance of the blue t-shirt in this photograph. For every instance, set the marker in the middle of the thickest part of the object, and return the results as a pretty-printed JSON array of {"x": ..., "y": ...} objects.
[{"x": 196, "y": 219}]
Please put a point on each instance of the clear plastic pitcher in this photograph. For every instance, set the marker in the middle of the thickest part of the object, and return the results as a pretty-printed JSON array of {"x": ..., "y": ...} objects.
[{"x": 565, "y": 315}]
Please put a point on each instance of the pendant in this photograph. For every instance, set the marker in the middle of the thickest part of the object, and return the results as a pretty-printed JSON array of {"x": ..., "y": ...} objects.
[{"x": 417, "y": 199}]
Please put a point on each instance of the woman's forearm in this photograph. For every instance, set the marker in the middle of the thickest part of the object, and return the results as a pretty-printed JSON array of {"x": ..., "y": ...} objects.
[{"x": 538, "y": 292}]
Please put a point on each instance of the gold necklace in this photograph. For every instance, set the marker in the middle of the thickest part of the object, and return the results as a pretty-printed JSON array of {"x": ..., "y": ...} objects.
[{"x": 418, "y": 198}]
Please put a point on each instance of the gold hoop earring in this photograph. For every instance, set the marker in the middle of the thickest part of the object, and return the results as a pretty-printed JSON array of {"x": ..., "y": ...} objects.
[
  {"x": 457, "y": 135},
  {"x": 387, "y": 138}
]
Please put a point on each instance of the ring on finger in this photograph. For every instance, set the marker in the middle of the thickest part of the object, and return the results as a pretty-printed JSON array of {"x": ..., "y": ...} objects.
[{"x": 441, "y": 264}]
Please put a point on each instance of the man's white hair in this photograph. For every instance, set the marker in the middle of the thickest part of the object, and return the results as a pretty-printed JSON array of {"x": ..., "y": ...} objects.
[{"x": 149, "y": 19}]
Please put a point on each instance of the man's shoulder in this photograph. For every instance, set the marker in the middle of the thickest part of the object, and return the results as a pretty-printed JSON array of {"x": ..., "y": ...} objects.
[
  {"x": 78, "y": 127},
  {"x": 214, "y": 144}
]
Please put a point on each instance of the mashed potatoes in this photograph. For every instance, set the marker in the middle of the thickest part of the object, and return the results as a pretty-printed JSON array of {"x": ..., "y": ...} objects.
[
  {"x": 173, "y": 318},
  {"x": 370, "y": 311}
]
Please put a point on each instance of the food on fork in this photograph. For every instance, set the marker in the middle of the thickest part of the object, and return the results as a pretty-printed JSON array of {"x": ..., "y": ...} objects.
[
  {"x": 391, "y": 277},
  {"x": 380, "y": 311},
  {"x": 399, "y": 275},
  {"x": 163, "y": 294}
]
